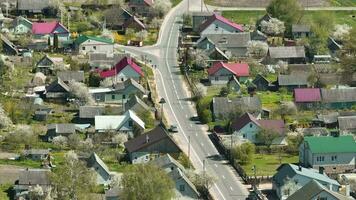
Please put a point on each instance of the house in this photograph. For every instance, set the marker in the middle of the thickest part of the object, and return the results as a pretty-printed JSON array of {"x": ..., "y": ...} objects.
[
  {"x": 54, "y": 130},
  {"x": 315, "y": 131},
  {"x": 261, "y": 83},
  {"x": 122, "y": 123},
  {"x": 117, "y": 22},
  {"x": 315, "y": 191},
  {"x": 234, "y": 84},
  {"x": 134, "y": 23},
  {"x": 329, "y": 120},
  {"x": 123, "y": 70},
  {"x": 57, "y": 91},
  {"x": 288, "y": 174},
  {"x": 47, "y": 64},
  {"x": 141, "y": 7},
  {"x": 336, "y": 154},
  {"x": 338, "y": 98},
  {"x": 347, "y": 124},
  {"x": 137, "y": 105},
  {"x": 198, "y": 18},
  {"x": 334, "y": 46},
  {"x": 289, "y": 54},
  {"x": 119, "y": 93},
  {"x": 183, "y": 186},
  {"x": 21, "y": 25},
  {"x": 36, "y": 154},
  {"x": 104, "y": 60},
  {"x": 91, "y": 44},
  {"x": 87, "y": 113},
  {"x": 267, "y": 17},
  {"x": 29, "y": 178},
  {"x": 224, "y": 108},
  {"x": 233, "y": 44},
  {"x": 293, "y": 81},
  {"x": 48, "y": 30},
  {"x": 9, "y": 48},
  {"x": 307, "y": 98},
  {"x": 103, "y": 174},
  {"x": 66, "y": 76},
  {"x": 38, "y": 79},
  {"x": 147, "y": 146},
  {"x": 217, "y": 24},
  {"x": 215, "y": 55},
  {"x": 247, "y": 127},
  {"x": 32, "y": 6},
  {"x": 300, "y": 31},
  {"x": 221, "y": 73}
]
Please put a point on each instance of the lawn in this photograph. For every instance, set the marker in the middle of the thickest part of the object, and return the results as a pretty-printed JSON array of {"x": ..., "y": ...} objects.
[
  {"x": 343, "y": 3},
  {"x": 266, "y": 164},
  {"x": 4, "y": 188},
  {"x": 149, "y": 40},
  {"x": 271, "y": 100},
  {"x": 21, "y": 163},
  {"x": 243, "y": 17},
  {"x": 175, "y": 2}
]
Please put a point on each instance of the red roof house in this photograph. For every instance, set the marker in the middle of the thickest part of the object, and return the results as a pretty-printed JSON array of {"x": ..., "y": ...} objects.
[
  {"x": 307, "y": 95},
  {"x": 126, "y": 68},
  {"x": 221, "y": 73},
  {"x": 44, "y": 28},
  {"x": 218, "y": 23}
]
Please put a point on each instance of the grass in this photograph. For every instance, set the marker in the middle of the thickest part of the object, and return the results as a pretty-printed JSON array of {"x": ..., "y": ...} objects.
[
  {"x": 175, "y": 2},
  {"x": 149, "y": 40},
  {"x": 21, "y": 163},
  {"x": 243, "y": 17},
  {"x": 4, "y": 189},
  {"x": 266, "y": 164},
  {"x": 343, "y": 3},
  {"x": 271, "y": 100}
]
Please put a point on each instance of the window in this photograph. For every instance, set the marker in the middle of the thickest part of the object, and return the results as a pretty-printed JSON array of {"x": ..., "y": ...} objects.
[
  {"x": 322, "y": 198},
  {"x": 216, "y": 27},
  {"x": 181, "y": 188},
  {"x": 130, "y": 123},
  {"x": 216, "y": 78},
  {"x": 244, "y": 135},
  {"x": 124, "y": 96},
  {"x": 83, "y": 48},
  {"x": 113, "y": 96},
  {"x": 333, "y": 158},
  {"x": 94, "y": 47},
  {"x": 122, "y": 79},
  {"x": 250, "y": 125}
]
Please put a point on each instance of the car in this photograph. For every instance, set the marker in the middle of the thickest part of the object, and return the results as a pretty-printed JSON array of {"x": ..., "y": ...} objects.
[{"x": 173, "y": 129}]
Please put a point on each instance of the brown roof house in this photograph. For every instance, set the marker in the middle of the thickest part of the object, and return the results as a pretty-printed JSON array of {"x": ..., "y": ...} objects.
[
  {"x": 150, "y": 145},
  {"x": 30, "y": 178},
  {"x": 289, "y": 54}
]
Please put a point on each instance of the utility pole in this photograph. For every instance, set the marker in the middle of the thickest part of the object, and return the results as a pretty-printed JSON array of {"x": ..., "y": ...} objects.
[
  {"x": 188, "y": 7},
  {"x": 189, "y": 148},
  {"x": 201, "y": 5}
]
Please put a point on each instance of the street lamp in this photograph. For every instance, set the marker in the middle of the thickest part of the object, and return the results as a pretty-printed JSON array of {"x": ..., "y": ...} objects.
[{"x": 162, "y": 101}]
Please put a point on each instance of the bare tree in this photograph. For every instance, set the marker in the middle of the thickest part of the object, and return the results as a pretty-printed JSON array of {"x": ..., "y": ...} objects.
[
  {"x": 273, "y": 27},
  {"x": 257, "y": 49},
  {"x": 36, "y": 193},
  {"x": 286, "y": 108},
  {"x": 342, "y": 32},
  {"x": 81, "y": 91},
  {"x": 201, "y": 90}
]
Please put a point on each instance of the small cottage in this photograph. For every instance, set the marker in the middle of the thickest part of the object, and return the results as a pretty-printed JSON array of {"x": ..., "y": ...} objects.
[
  {"x": 123, "y": 70},
  {"x": 221, "y": 73},
  {"x": 300, "y": 31},
  {"x": 307, "y": 98},
  {"x": 217, "y": 24},
  {"x": 91, "y": 44},
  {"x": 289, "y": 54}
]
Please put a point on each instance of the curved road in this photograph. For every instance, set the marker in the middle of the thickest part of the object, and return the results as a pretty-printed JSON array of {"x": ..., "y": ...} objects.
[{"x": 179, "y": 109}]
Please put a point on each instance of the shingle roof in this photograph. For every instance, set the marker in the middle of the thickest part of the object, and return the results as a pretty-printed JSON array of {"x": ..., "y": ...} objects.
[
  {"x": 341, "y": 144},
  {"x": 135, "y": 100},
  {"x": 46, "y": 27},
  {"x": 104, "y": 122},
  {"x": 84, "y": 38},
  {"x": 300, "y": 28},
  {"x": 53, "y": 86},
  {"x": 328, "y": 118},
  {"x": 34, "y": 177},
  {"x": 71, "y": 75},
  {"x": 36, "y": 151},
  {"x": 338, "y": 95},
  {"x": 230, "y": 40},
  {"x": 347, "y": 123},
  {"x": 287, "y": 52},
  {"x": 275, "y": 125},
  {"x": 224, "y": 106},
  {"x": 120, "y": 66},
  {"x": 246, "y": 118},
  {"x": 166, "y": 160},
  {"x": 238, "y": 69},
  {"x": 130, "y": 82},
  {"x": 153, "y": 136},
  {"x": 89, "y": 112},
  {"x": 315, "y": 131},
  {"x": 94, "y": 158},
  {"x": 62, "y": 128},
  {"x": 32, "y": 4},
  {"x": 312, "y": 189},
  {"x": 293, "y": 79},
  {"x": 220, "y": 18},
  {"x": 307, "y": 95}
]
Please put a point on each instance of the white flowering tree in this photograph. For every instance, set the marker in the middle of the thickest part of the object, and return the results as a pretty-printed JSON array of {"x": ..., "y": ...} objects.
[
  {"x": 142, "y": 35},
  {"x": 119, "y": 139},
  {"x": 81, "y": 92},
  {"x": 60, "y": 141},
  {"x": 273, "y": 27},
  {"x": 257, "y": 49},
  {"x": 341, "y": 32},
  {"x": 5, "y": 121},
  {"x": 22, "y": 134},
  {"x": 161, "y": 7},
  {"x": 199, "y": 58}
]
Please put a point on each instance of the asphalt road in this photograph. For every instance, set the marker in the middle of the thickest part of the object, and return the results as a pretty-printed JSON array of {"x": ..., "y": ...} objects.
[{"x": 179, "y": 109}]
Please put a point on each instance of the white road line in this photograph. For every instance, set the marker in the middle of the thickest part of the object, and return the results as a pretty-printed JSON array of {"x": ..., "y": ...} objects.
[
  {"x": 223, "y": 176},
  {"x": 202, "y": 144},
  {"x": 186, "y": 116},
  {"x": 231, "y": 188},
  {"x": 208, "y": 154},
  {"x": 191, "y": 125},
  {"x": 216, "y": 165}
]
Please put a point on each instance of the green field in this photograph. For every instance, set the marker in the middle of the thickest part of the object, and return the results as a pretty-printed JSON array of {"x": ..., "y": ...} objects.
[
  {"x": 21, "y": 163},
  {"x": 271, "y": 100},
  {"x": 343, "y": 2},
  {"x": 4, "y": 191},
  {"x": 266, "y": 164}
]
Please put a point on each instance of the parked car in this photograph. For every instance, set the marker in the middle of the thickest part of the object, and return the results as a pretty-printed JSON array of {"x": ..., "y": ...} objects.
[{"x": 173, "y": 129}]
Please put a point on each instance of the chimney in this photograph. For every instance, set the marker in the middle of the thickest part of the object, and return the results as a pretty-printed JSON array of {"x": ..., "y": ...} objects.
[
  {"x": 300, "y": 168},
  {"x": 321, "y": 170},
  {"x": 347, "y": 189},
  {"x": 147, "y": 139}
]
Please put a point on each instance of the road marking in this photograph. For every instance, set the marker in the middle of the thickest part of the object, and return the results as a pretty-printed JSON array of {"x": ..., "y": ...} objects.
[
  {"x": 231, "y": 188},
  {"x": 196, "y": 134},
  {"x": 191, "y": 125},
  {"x": 208, "y": 154},
  {"x": 223, "y": 176},
  {"x": 186, "y": 116},
  {"x": 216, "y": 165},
  {"x": 202, "y": 144}
]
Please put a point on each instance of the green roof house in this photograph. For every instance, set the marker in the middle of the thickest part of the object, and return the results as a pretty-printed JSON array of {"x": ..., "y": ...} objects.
[
  {"x": 334, "y": 154},
  {"x": 91, "y": 44},
  {"x": 21, "y": 25}
]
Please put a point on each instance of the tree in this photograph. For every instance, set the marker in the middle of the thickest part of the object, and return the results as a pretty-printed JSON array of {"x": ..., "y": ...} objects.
[
  {"x": 205, "y": 116},
  {"x": 273, "y": 27},
  {"x": 321, "y": 29},
  {"x": 72, "y": 179},
  {"x": 286, "y": 108},
  {"x": 161, "y": 7},
  {"x": 314, "y": 80},
  {"x": 146, "y": 117},
  {"x": 348, "y": 54},
  {"x": 23, "y": 134},
  {"x": 201, "y": 90},
  {"x": 290, "y": 186},
  {"x": 60, "y": 140},
  {"x": 119, "y": 139},
  {"x": 142, "y": 35},
  {"x": 5, "y": 121},
  {"x": 74, "y": 141},
  {"x": 225, "y": 91},
  {"x": 81, "y": 91},
  {"x": 294, "y": 142},
  {"x": 146, "y": 182},
  {"x": 244, "y": 152},
  {"x": 288, "y": 11},
  {"x": 341, "y": 32},
  {"x": 187, "y": 19},
  {"x": 266, "y": 136},
  {"x": 156, "y": 23},
  {"x": 202, "y": 181},
  {"x": 198, "y": 58},
  {"x": 37, "y": 193},
  {"x": 257, "y": 49},
  {"x": 94, "y": 79}
]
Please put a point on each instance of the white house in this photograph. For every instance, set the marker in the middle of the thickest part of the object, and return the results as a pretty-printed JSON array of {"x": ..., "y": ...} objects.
[
  {"x": 217, "y": 24},
  {"x": 123, "y": 70},
  {"x": 91, "y": 44}
]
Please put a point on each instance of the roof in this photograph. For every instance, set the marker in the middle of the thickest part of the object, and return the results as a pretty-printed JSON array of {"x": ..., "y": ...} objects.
[
  {"x": 293, "y": 79},
  {"x": 220, "y": 18},
  {"x": 136, "y": 100},
  {"x": 224, "y": 106},
  {"x": 36, "y": 151},
  {"x": 338, "y": 95},
  {"x": 54, "y": 84},
  {"x": 133, "y": 18},
  {"x": 104, "y": 122},
  {"x": 328, "y": 118},
  {"x": 18, "y": 19},
  {"x": 177, "y": 174},
  {"x": 341, "y": 144},
  {"x": 34, "y": 177},
  {"x": 287, "y": 52},
  {"x": 101, "y": 60},
  {"x": 129, "y": 82},
  {"x": 89, "y": 112},
  {"x": 315, "y": 131},
  {"x": 147, "y": 139},
  {"x": 290, "y": 170},
  {"x": 300, "y": 28},
  {"x": 37, "y": 5},
  {"x": 120, "y": 66},
  {"x": 347, "y": 123},
  {"x": 230, "y": 40},
  {"x": 62, "y": 128},
  {"x": 83, "y": 38},
  {"x": 276, "y": 125},
  {"x": 312, "y": 189},
  {"x": 246, "y": 118},
  {"x": 94, "y": 158},
  {"x": 71, "y": 75},
  {"x": 46, "y": 27},
  {"x": 238, "y": 69},
  {"x": 165, "y": 160},
  {"x": 307, "y": 95}
]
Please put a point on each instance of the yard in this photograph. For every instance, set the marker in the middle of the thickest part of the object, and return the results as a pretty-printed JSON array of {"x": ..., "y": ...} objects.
[
  {"x": 266, "y": 164},
  {"x": 271, "y": 100},
  {"x": 4, "y": 191},
  {"x": 343, "y": 2},
  {"x": 149, "y": 40}
]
